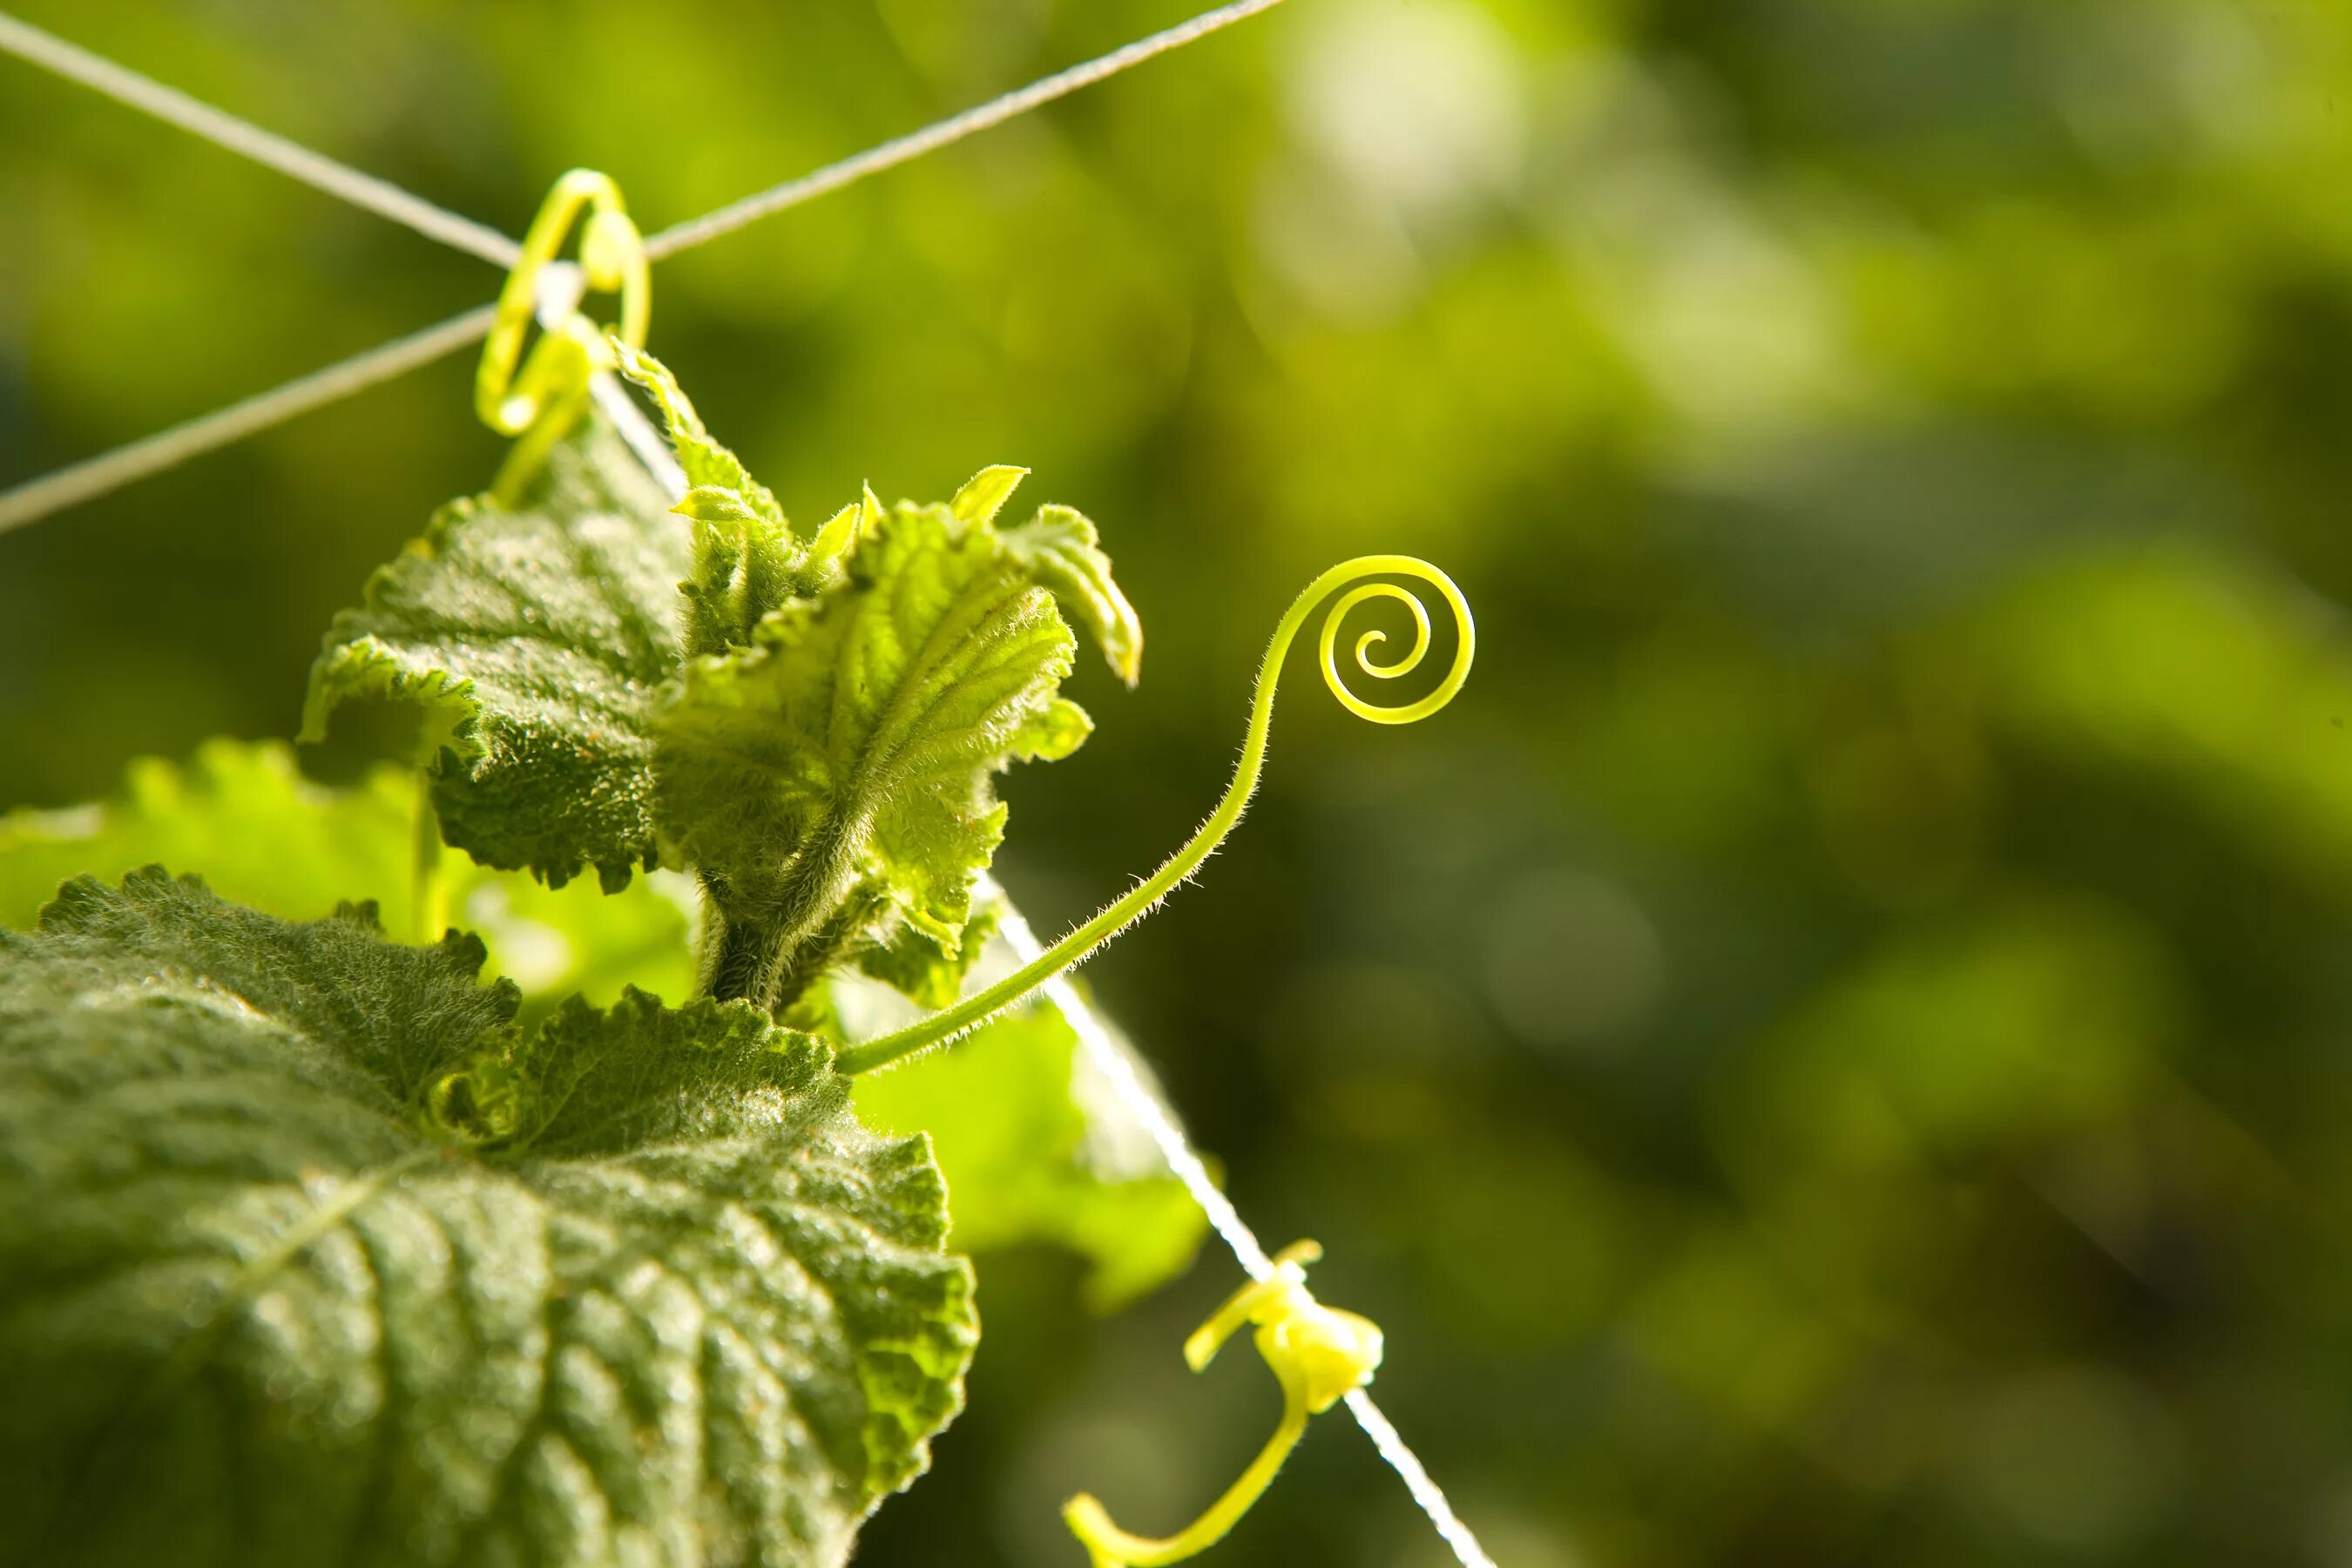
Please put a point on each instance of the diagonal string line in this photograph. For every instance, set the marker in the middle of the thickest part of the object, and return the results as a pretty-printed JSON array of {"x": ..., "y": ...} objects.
[
  {"x": 243, "y": 137},
  {"x": 942, "y": 133},
  {"x": 1116, "y": 1067},
  {"x": 1417, "y": 1480},
  {"x": 86, "y": 480},
  {"x": 95, "y": 476},
  {"x": 1119, "y": 1071}
]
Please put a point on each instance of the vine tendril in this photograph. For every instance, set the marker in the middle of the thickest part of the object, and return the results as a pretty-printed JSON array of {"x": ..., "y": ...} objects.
[
  {"x": 543, "y": 400},
  {"x": 1116, "y": 917}
]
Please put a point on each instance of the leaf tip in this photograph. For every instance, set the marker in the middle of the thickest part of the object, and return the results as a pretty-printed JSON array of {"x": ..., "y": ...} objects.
[{"x": 985, "y": 494}]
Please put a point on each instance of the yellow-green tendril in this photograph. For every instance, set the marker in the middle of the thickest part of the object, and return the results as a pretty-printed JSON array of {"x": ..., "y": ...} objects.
[
  {"x": 1319, "y": 1353},
  {"x": 1114, "y": 918},
  {"x": 546, "y": 398}
]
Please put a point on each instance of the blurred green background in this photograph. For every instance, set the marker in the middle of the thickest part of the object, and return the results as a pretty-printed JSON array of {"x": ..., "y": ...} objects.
[{"x": 1834, "y": 1049}]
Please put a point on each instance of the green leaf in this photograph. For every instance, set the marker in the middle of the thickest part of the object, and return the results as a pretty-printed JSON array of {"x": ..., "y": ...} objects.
[
  {"x": 830, "y": 783},
  {"x": 985, "y": 494},
  {"x": 536, "y": 639},
  {"x": 924, "y": 969},
  {"x": 1036, "y": 1146},
  {"x": 745, "y": 559},
  {"x": 1060, "y": 729},
  {"x": 1062, "y": 553},
  {"x": 707, "y": 464},
  {"x": 242, "y": 814},
  {"x": 308, "y": 1255}
]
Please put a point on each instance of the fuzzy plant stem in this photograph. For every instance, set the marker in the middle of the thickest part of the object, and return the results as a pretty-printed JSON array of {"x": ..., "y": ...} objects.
[
  {"x": 753, "y": 956},
  {"x": 1116, "y": 917}
]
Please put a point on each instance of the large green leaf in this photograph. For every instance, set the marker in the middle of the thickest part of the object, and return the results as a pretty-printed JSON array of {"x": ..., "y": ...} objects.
[
  {"x": 830, "y": 783},
  {"x": 308, "y": 1256},
  {"x": 537, "y": 637},
  {"x": 241, "y": 815},
  {"x": 1033, "y": 1147}
]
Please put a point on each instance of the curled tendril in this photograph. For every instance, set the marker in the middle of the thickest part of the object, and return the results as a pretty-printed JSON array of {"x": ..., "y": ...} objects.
[
  {"x": 1116, "y": 917},
  {"x": 539, "y": 403}
]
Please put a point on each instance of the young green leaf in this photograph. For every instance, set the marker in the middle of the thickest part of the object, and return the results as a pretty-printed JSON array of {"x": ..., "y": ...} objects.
[
  {"x": 985, "y": 494},
  {"x": 834, "y": 778},
  {"x": 308, "y": 1255},
  {"x": 707, "y": 463},
  {"x": 746, "y": 560},
  {"x": 1063, "y": 553},
  {"x": 241, "y": 815},
  {"x": 924, "y": 969},
  {"x": 537, "y": 637}
]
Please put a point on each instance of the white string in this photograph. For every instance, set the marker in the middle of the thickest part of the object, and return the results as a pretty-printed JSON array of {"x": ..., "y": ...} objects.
[
  {"x": 1116, "y": 1066},
  {"x": 94, "y": 476},
  {"x": 1417, "y": 1480},
  {"x": 648, "y": 445},
  {"x": 167, "y": 448},
  {"x": 932, "y": 138},
  {"x": 152, "y": 97}
]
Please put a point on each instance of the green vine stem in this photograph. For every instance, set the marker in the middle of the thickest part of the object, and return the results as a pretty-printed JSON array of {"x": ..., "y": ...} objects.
[{"x": 1114, "y": 918}]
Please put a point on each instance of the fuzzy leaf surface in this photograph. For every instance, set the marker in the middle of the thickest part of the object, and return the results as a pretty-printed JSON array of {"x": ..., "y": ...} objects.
[
  {"x": 1063, "y": 553},
  {"x": 746, "y": 560},
  {"x": 832, "y": 782},
  {"x": 308, "y": 1255},
  {"x": 536, "y": 639}
]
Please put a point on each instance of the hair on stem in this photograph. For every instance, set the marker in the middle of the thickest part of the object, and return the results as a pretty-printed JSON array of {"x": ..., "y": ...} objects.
[{"x": 1147, "y": 895}]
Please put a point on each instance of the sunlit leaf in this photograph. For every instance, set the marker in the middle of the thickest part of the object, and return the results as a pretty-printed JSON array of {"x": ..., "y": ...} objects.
[{"x": 241, "y": 815}]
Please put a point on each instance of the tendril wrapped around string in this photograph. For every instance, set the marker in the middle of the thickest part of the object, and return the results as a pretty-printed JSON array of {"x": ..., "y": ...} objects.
[{"x": 1116, "y": 917}]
